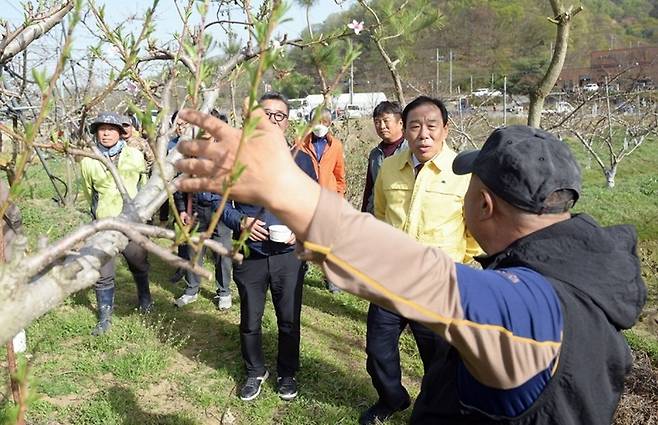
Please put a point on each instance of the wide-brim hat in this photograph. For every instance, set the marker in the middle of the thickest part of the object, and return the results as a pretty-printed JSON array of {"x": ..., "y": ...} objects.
[{"x": 110, "y": 118}]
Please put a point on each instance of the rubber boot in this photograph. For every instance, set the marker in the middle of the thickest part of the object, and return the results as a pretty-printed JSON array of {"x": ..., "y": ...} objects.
[
  {"x": 144, "y": 300},
  {"x": 105, "y": 301}
]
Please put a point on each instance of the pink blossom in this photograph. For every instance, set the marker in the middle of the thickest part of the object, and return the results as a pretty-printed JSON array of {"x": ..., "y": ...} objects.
[
  {"x": 131, "y": 87},
  {"x": 356, "y": 26}
]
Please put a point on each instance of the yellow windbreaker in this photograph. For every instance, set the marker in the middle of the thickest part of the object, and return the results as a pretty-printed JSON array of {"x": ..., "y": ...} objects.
[
  {"x": 428, "y": 208},
  {"x": 99, "y": 187}
]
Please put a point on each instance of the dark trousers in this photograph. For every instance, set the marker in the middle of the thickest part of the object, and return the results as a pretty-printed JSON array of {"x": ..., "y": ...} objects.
[
  {"x": 223, "y": 265},
  {"x": 137, "y": 260},
  {"x": 163, "y": 212},
  {"x": 382, "y": 347},
  {"x": 283, "y": 275}
]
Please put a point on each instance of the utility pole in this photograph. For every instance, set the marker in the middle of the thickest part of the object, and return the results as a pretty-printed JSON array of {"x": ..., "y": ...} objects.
[
  {"x": 492, "y": 81},
  {"x": 351, "y": 83},
  {"x": 450, "y": 77},
  {"x": 471, "y": 83},
  {"x": 505, "y": 100},
  {"x": 437, "y": 72}
]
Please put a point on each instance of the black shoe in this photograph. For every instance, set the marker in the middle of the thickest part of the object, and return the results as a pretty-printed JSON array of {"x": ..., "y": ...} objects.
[
  {"x": 287, "y": 387},
  {"x": 145, "y": 308},
  {"x": 380, "y": 412},
  {"x": 251, "y": 388},
  {"x": 332, "y": 288}
]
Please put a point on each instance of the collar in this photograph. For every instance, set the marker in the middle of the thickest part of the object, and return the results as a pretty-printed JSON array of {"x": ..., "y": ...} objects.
[
  {"x": 442, "y": 161},
  {"x": 493, "y": 261},
  {"x": 397, "y": 143},
  {"x": 114, "y": 150},
  {"x": 310, "y": 138}
]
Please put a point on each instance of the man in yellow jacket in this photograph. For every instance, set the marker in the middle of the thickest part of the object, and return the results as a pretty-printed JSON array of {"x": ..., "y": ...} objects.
[
  {"x": 416, "y": 192},
  {"x": 105, "y": 201}
]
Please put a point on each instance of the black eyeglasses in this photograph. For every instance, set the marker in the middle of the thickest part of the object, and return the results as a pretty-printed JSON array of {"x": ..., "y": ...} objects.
[{"x": 277, "y": 115}]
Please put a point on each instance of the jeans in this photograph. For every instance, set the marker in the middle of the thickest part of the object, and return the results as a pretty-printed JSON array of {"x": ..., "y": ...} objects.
[
  {"x": 283, "y": 275},
  {"x": 223, "y": 265},
  {"x": 382, "y": 347}
]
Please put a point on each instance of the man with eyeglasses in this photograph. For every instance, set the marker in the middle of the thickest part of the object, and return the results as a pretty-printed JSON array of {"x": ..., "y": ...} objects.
[{"x": 274, "y": 265}]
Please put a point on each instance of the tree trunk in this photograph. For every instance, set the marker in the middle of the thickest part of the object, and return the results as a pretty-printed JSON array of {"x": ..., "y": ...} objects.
[
  {"x": 328, "y": 101},
  {"x": 393, "y": 70},
  {"x": 610, "y": 176},
  {"x": 538, "y": 95}
]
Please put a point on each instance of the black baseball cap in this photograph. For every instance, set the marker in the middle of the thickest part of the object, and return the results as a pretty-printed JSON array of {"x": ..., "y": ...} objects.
[{"x": 524, "y": 166}]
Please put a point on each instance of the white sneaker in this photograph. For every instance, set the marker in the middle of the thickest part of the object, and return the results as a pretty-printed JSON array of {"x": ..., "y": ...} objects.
[
  {"x": 224, "y": 302},
  {"x": 185, "y": 300}
]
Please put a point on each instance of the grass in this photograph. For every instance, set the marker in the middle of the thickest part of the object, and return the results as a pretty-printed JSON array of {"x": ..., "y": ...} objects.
[{"x": 183, "y": 366}]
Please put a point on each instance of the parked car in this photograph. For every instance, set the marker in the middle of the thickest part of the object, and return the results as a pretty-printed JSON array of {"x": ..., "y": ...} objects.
[
  {"x": 561, "y": 107},
  {"x": 516, "y": 109},
  {"x": 353, "y": 111},
  {"x": 591, "y": 87},
  {"x": 485, "y": 92}
]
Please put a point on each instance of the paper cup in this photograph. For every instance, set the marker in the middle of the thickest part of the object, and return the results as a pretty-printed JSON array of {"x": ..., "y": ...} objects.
[{"x": 280, "y": 233}]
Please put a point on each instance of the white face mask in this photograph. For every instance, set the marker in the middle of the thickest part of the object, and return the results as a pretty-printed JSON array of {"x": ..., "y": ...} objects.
[{"x": 320, "y": 130}]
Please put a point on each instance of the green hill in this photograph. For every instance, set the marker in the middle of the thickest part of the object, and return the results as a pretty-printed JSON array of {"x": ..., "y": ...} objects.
[{"x": 499, "y": 37}]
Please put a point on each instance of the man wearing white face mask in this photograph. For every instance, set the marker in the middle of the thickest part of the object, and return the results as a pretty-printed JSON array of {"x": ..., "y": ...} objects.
[{"x": 326, "y": 151}]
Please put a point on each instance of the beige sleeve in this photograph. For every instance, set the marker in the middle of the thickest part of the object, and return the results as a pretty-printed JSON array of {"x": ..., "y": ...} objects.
[{"x": 375, "y": 261}]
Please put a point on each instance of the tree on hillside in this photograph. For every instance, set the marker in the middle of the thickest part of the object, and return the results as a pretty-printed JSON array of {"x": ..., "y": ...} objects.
[{"x": 398, "y": 21}]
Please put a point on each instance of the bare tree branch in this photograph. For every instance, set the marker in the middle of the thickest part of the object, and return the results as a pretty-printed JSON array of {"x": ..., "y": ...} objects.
[{"x": 18, "y": 40}]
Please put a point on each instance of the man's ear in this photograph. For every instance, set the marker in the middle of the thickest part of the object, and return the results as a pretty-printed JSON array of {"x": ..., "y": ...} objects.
[{"x": 486, "y": 205}]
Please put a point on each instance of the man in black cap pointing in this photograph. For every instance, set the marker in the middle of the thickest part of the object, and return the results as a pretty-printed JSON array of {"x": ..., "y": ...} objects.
[{"x": 535, "y": 335}]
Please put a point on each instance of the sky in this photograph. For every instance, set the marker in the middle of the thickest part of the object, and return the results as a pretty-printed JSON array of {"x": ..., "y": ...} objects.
[{"x": 167, "y": 22}]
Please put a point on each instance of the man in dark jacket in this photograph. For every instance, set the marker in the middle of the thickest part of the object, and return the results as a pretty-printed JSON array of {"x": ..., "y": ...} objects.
[
  {"x": 535, "y": 335},
  {"x": 270, "y": 264},
  {"x": 387, "y": 118},
  {"x": 200, "y": 207}
]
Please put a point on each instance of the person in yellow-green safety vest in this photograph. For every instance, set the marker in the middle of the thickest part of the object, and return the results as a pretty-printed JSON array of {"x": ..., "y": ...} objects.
[{"x": 105, "y": 201}]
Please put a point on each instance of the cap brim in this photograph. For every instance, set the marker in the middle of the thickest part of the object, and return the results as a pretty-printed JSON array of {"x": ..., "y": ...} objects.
[{"x": 463, "y": 163}]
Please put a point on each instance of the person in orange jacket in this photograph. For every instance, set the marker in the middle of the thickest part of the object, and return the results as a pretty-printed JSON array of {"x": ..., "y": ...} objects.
[{"x": 326, "y": 151}]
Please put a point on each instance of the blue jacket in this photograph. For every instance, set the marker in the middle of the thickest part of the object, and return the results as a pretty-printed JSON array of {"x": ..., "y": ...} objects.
[{"x": 233, "y": 214}]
